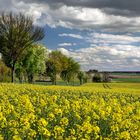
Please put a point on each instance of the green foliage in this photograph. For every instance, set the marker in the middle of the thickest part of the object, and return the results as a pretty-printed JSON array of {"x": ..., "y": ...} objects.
[
  {"x": 59, "y": 64},
  {"x": 32, "y": 62},
  {"x": 17, "y": 33},
  {"x": 83, "y": 77},
  {"x": 97, "y": 77},
  {"x": 71, "y": 71},
  {"x": 51, "y": 71},
  {"x": 106, "y": 77},
  {"x": 56, "y": 63},
  {"x": 80, "y": 76},
  {"x": 4, "y": 72}
]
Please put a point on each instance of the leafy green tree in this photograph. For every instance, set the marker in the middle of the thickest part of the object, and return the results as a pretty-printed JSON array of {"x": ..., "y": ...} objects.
[
  {"x": 71, "y": 71},
  {"x": 56, "y": 63},
  {"x": 20, "y": 71},
  {"x": 33, "y": 62},
  {"x": 4, "y": 72},
  {"x": 51, "y": 71},
  {"x": 17, "y": 33},
  {"x": 106, "y": 77},
  {"x": 97, "y": 77},
  {"x": 81, "y": 76},
  {"x": 85, "y": 78}
]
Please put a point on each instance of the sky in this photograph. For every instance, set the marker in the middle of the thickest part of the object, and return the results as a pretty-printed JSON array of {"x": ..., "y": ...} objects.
[{"x": 99, "y": 34}]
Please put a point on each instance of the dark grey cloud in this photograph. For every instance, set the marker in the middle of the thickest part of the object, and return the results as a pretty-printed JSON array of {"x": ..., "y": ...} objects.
[
  {"x": 6, "y": 5},
  {"x": 105, "y": 15},
  {"x": 116, "y": 7}
]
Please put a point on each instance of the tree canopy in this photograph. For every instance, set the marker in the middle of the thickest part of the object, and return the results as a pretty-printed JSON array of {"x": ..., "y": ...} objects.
[
  {"x": 17, "y": 32},
  {"x": 56, "y": 63},
  {"x": 32, "y": 62}
]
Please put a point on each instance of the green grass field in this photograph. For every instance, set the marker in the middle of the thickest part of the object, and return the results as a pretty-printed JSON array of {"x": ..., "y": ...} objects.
[{"x": 127, "y": 80}]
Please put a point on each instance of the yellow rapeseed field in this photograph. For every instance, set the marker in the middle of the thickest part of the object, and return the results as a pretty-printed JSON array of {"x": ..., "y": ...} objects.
[{"x": 88, "y": 112}]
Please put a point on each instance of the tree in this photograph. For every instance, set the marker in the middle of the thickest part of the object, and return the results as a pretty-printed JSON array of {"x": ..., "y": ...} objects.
[
  {"x": 33, "y": 62},
  {"x": 56, "y": 63},
  {"x": 17, "y": 33},
  {"x": 106, "y": 77},
  {"x": 71, "y": 71},
  {"x": 96, "y": 77},
  {"x": 80, "y": 76},
  {"x": 85, "y": 78},
  {"x": 51, "y": 71},
  {"x": 4, "y": 72}
]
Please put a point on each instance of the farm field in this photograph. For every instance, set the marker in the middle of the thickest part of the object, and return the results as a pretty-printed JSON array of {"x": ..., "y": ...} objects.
[
  {"x": 127, "y": 80},
  {"x": 131, "y": 77},
  {"x": 92, "y": 111}
]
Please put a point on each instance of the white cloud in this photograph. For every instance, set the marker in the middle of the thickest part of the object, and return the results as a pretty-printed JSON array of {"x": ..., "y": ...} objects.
[
  {"x": 77, "y": 36},
  {"x": 104, "y": 38},
  {"x": 73, "y": 17},
  {"x": 87, "y": 18},
  {"x": 66, "y": 44},
  {"x": 63, "y": 51},
  {"x": 107, "y": 58}
]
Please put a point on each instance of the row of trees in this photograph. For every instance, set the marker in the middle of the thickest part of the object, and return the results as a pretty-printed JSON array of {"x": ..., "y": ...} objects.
[
  {"x": 101, "y": 77},
  {"x": 36, "y": 62},
  {"x": 65, "y": 67},
  {"x": 26, "y": 59},
  {"x": 17, "y": 33}
]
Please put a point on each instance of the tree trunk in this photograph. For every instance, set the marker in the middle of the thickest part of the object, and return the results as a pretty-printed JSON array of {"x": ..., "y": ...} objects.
[
  {"x": 13, "y": 73},
  {"x": 55, "y": 80},
  {"x": 73, "y": 81},
  {"x": 24, "y": 76},
  {"x": 80, "y": 81},
  {"x": 67, "y": 83},
  {"x": 30, "y": 78},
  {"x": 21, "y": 79}
]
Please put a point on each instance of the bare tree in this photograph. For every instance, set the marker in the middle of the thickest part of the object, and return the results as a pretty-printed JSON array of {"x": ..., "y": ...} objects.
[{"x": 17, "y": 32}]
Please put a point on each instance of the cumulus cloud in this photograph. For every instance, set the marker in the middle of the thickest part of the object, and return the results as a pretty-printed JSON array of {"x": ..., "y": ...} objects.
[
  {"x": 108, "y": 51},
  {"x": 98, "y": 14},
  {"x": 66, "y": 44},
  {"x": 77, "y": 36},
  {"x": 125, "y": 6},
  {"x": 64, "y": 51},
  {"x": 107, "y": 58},
  {"x": 111, "y": 39}
]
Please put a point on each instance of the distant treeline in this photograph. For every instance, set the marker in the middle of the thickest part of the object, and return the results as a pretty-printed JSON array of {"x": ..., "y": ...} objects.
[
  {"x": 124, "y": 72},
  {"x": 127, "y": 72}
]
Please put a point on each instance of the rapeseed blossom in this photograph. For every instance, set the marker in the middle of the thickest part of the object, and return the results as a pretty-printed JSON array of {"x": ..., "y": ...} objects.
[{"x": 88, "y": 112}]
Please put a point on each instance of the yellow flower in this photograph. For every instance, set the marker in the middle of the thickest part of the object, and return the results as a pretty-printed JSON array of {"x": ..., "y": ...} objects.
[
  {"x": 57, "y": 111},
  {"x": 58, "y": 130},
  {"x": 96, "y": 129},
  {"x": 1, "y": 137},
  {"x": 51, "y": 116},
  {"x": 72, "y": 131},
  {"x": 46, "y": 132},
  {"x": 54, "y": 98},
  {"x": 42, "y": 122},
  {"x": 16, "y": 137},
  {"x": 64, "y": 121},
  {"x": 32, "y": 133},
  {"x": 87, "y": 127},
  {"x": 125, "y": 135}
]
